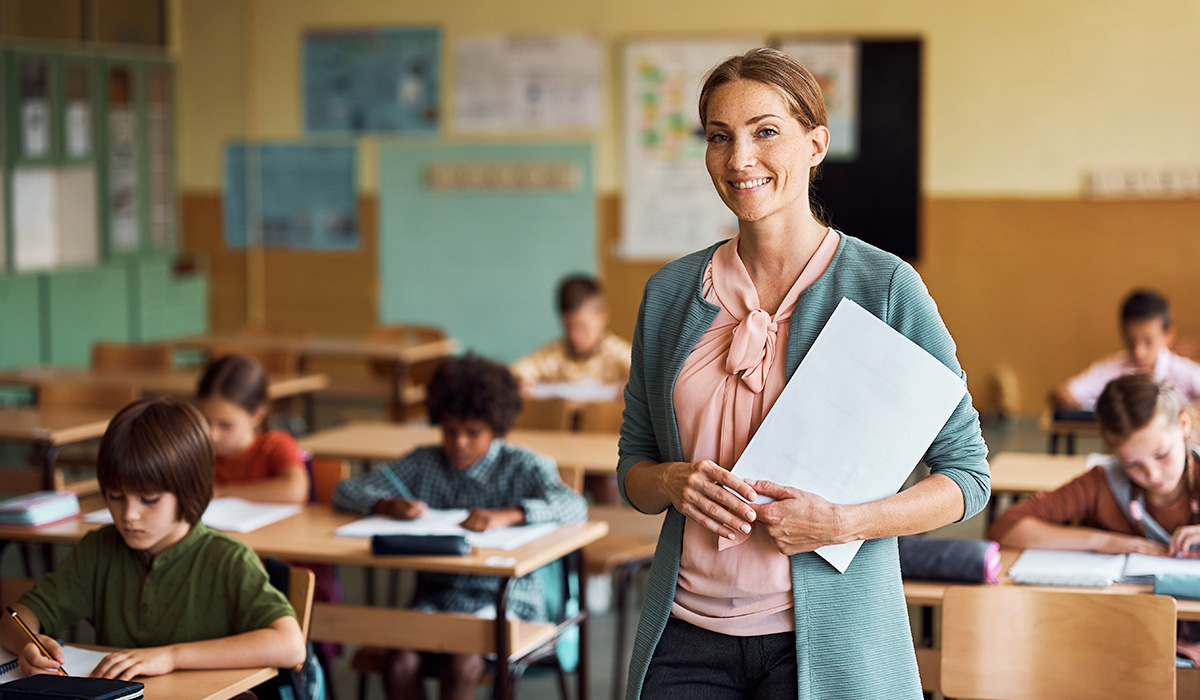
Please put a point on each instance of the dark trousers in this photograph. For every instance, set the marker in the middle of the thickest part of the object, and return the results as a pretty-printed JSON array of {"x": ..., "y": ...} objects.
[{"x": 692, "y": 662}]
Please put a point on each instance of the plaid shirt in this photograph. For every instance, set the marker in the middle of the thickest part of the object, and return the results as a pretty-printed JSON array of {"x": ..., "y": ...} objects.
[{"x": 506, "y": 477}]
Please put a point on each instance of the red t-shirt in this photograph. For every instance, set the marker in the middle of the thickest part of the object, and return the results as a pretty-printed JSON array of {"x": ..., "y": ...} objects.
[{"x": 271, "y": 452}]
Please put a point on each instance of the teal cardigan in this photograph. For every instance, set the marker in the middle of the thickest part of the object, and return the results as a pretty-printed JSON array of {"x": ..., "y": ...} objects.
[{"x": 852, "y": 631}]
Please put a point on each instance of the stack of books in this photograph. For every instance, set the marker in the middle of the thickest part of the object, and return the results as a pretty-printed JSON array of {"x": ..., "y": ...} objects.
[{"x": 40, "y": 508}]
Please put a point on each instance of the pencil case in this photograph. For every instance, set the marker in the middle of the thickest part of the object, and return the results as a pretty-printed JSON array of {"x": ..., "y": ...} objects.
[
  {"x": 420, "y": 544},
  {"x": 50, "y": 687},
  {"x": 933, "y": 559}
]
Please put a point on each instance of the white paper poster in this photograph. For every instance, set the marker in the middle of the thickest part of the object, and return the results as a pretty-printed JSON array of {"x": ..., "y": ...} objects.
[
  {"x": 527, "y": 83},
  {"x": 79, "y": 129},
  {"x": 834, "y": 63},
  {"x": 669, "y": 206},
  {"x": 35, "y": 231},
  {"x": 35, "y": 127},
  {"x": 122, "y": 179}
]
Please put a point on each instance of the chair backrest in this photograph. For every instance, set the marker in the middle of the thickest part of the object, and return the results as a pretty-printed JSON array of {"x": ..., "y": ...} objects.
[
  {"x": 128, "y": 356},
  {"x": 544, "y": 414},
  {"x": 1017, "y": 643},
  {"x": 324, "y": 473},
  {"x": 572, "y": 477},
  {"x": 301, "y": 585},
  {"x": 418, "y": 372},
  {"x": 600, "y": 416},
  {"x": 85, "y": 396},
  {"x": 276, "y": 361}
]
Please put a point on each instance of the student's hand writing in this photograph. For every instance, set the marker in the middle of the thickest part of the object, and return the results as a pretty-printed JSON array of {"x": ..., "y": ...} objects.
[
  {"x": 797, "y": 520},
  {"x": 128, "y": 663},
  {"x": 482, "y": 519},
  {"x": 698, "y": 491},
  {"x": 32, "y": 661},
  {"x": 1185, "y": 542},
  {"x": 401, "y": 508}
]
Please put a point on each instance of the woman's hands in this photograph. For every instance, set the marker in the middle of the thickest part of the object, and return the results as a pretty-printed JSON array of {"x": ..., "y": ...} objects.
[
  {"x": 800, "y": 521},
  {"x": 698, "y": 491}
]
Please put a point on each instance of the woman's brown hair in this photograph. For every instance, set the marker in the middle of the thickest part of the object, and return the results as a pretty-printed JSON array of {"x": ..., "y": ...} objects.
[
  {"x": 776, "y": 69},
  {"x": 155, "y": 445},
  {"x": 235, "y": 378}
]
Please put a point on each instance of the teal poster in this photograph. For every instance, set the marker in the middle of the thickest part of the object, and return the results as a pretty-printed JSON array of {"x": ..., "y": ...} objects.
[
  {"x": 384, "y": 80},
  {"x": 298, "y": 195}
]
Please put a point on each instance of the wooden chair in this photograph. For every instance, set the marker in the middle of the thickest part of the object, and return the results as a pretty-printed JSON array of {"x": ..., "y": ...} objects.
[
  {"x": 419, "y": 373},
  {"x": 324, "y": 474},
  {"x": 1016, "y": 643},
  {"x": 276, "y": 361},
  {"x": 600, "y": 416},
  {"x": 544, "y": 414},
  {"x": 69, "y": 395},
  {"x": 109, "y": 356},
  {"x": 572, "y": 477}
]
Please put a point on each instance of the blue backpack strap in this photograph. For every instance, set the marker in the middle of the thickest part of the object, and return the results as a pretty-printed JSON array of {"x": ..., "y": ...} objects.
[{"x": 1122, "y": 491}]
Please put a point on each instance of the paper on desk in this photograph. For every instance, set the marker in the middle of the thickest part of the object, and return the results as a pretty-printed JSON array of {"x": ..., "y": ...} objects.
[
  {"x": 77, "y": 662},
  {"x": 587, "y": 390},
  {"x": 446, "y": 522},
  {"x": 855, "y": 418},
  {"x": 228, "y": 513}
]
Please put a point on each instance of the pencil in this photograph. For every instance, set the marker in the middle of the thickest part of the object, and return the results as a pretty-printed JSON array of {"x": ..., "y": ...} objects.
[
  {"x": 33, "y": 637},
  {"x": 398, "y": 485}
]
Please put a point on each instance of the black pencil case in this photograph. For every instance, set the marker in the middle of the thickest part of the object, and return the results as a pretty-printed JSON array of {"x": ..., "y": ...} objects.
[
  {"x": 420, "y": 544},
  {"x": 932, "y": 559},
  {"x": 50, "y": 687}
]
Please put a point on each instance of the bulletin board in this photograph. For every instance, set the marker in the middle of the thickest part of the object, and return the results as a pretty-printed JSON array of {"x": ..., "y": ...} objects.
[{"x": 482, "y": 262}]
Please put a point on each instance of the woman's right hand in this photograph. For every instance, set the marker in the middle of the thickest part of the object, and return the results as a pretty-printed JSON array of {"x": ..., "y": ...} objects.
[
  {"x": 32, "y": 661},
  {"x": 698, "y": 491}
]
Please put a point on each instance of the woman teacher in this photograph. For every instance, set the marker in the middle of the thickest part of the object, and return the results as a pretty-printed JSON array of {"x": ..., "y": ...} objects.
[{"x": 718, "y": 335}]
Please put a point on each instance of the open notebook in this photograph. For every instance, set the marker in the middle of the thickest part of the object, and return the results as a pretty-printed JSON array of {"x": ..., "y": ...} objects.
[
  {"x": 1048, "y": 567},
  {"x": 79, "y": 662}
]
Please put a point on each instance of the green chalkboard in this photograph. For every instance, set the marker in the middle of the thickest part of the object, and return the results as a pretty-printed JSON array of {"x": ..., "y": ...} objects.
[{"x": 482, "y": 264}]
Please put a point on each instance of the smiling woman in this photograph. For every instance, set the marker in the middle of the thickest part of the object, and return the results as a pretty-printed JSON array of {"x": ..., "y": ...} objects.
[{"x": 719, "y": 334}]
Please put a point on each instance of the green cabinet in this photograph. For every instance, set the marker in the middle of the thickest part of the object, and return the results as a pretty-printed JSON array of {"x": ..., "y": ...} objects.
[
  {"x": 164, "y": 303},
  {"x": 82, "y": 306},
  {"x": 20, "y": 320}
]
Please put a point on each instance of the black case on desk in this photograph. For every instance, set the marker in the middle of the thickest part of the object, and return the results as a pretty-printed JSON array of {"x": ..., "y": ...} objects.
[
  {"x": 419, "y": 544},
  {"x": 49, "y": 687}
]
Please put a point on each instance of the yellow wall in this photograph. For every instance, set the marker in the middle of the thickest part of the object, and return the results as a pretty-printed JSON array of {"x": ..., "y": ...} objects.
[{"x": 1021, "y": 100}]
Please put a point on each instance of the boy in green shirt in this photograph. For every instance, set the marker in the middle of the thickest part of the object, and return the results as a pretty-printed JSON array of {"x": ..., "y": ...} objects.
[{"x": 170, "y": 592}]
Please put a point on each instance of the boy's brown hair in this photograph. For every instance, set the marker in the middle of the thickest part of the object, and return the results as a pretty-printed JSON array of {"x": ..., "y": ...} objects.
[{"x": 159, "y": 444}]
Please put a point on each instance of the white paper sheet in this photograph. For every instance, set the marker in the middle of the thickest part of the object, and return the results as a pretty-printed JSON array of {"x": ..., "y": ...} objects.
[
  {"x": 577, "y": 391},
  {"x": 855, "y": 418},
  {"x": 1142, "y": 568},
  {"x": 446, "y": 522},
  {"x": 1048, "y": 567},
  {"x": 77, "y": 662},
  {"x": 230, "y": 514}
]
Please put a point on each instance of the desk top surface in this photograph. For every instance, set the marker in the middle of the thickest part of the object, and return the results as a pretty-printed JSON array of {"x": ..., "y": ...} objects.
[
  {"x": 175, "y": 382},
  {"x": 378, "y": 441},
  {"x": 54, "y": 426},
  {"x": 309, "y": 536},
  {"x": 1032, "y": 472}
]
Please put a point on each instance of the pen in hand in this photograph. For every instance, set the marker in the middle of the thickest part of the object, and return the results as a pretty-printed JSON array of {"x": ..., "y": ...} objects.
[{"x": 33, "y": 636}]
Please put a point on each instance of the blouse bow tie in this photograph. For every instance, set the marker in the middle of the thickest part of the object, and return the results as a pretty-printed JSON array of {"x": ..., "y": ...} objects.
[{"x": 753, "y": 349}]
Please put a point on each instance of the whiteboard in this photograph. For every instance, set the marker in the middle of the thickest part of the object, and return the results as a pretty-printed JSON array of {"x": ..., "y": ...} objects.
[
  {"x": 670, "y": 207},
  {"x": 527, "y": 83}
]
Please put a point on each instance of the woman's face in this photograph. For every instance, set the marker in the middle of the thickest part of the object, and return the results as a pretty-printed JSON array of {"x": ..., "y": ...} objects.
[
  {"x": 1154, "y": 457},
  {"x": 759, "y": 155}
]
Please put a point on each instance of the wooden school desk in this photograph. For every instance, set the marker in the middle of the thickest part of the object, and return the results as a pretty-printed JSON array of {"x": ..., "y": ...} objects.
[
  {"x": 401, "y": 353},
  {"x": 929, "y": 594},
  {"x": 48, "y": 431},
  {"x": 1017, "y": 473},
  {"x": 1068, "y": 429},
  {"x": 373, "y": 441},
  {"x": 309, "y": 537}
]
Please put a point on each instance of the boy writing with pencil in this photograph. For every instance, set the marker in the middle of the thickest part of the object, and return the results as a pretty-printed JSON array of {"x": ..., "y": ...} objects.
[
  {"x": 159, "y": 585},
  {"x": 474, "y": 401},
  {"x": 1148, "y": 336}
]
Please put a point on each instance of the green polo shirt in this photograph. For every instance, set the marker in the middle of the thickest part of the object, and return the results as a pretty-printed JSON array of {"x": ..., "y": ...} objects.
[{"x": 207, "y": 586}]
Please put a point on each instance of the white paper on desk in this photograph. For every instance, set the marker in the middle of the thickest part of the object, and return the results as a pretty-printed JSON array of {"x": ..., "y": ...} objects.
[
  {"x": 446, "y": 522},
  {"x": 578, "y": 391},
  {"x": 228, "y": 513},
  {"x": 76, "y": 660},
  {"x": 855, "y": 418},
  {"x": 1142, "y": 568}
]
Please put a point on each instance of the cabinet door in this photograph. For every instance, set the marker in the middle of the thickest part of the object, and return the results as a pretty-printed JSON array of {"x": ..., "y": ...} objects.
[
  {"x": 123, "y": 193},
  {"x": 34, "y": 115},
  {"x": 82, "y": 306},
  {"x": 20, "y": 321},
  {"x": 160, "y": 115},
  {"x": 78, "y": 112}
]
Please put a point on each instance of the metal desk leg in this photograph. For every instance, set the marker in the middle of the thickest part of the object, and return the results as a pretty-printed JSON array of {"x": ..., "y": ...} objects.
[
  {"x": 44, "y": 455},
  {"x": 1070, "y": 443},
  {"x": 1053, "y": 443},
  {"x": 622, "y": 580},
  {"x": 579, "y": 558},
  {"x": 501, "y": 685},
  {"x": 396, "y": 398}
]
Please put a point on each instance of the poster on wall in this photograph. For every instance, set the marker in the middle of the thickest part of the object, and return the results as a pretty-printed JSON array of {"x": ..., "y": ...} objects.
[
  {"x": 377, "y": 80},
  {"x": 669, "y": 205},
  {"x": 124, "y": 231},
  {"x": 834, "y": 63},
  {"x": 291, "y": 195},
  {"x": 524, "y": 83}
]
